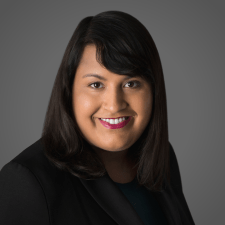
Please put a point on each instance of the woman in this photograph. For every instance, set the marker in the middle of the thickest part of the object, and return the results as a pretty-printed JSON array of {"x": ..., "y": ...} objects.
[{"x": 104, "y": 155}]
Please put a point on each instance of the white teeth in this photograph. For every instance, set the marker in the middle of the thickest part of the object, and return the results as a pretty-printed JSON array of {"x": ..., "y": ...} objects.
[{"x": 114, "y": 121}]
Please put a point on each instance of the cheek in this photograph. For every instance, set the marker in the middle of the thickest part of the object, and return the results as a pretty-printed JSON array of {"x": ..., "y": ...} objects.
[
  {"x": 147, "y": 105},
  {"x": 83, "y": 104},
  {"x": 144, "y": 106}
]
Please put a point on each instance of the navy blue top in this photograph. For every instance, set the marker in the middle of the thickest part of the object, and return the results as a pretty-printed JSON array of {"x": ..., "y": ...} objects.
[{"x": 143, "y": 202}]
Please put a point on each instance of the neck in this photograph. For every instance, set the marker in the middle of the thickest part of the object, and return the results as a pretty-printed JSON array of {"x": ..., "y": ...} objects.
[{"x": 118, "y": 165}]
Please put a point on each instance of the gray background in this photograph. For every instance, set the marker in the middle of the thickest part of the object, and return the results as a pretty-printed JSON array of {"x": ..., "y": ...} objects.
[{"x": 190, "y": 39}]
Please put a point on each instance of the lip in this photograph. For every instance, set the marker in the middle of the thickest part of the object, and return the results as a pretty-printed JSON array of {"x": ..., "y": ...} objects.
[{"x": 115, "y": 126}]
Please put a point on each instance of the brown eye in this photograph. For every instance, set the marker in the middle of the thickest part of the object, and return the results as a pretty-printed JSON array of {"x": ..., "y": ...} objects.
[
  {"x": 96, "y": 84},
  {"x": 135, "y": 81}
]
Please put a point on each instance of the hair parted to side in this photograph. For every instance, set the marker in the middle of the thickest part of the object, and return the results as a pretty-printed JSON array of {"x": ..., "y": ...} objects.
[{"x": 125, "y": 47}]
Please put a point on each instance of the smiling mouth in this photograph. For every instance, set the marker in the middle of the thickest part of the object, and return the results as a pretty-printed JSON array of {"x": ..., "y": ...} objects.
[{"x": 117, "y": 125}]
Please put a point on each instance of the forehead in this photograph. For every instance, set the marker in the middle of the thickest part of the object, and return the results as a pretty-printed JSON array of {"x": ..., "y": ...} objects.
[{"x": 89, "y": 55}]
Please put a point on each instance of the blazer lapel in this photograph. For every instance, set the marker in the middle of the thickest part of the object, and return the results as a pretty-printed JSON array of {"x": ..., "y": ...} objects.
[{"x": 112, "y": 200}]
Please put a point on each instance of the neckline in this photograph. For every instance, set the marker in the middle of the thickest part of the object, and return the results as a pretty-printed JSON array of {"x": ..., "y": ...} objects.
[{"x": 133, "y": 181}]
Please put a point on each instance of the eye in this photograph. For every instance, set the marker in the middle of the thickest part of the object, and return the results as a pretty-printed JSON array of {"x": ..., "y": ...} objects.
[
  {"x": 94, "y": 83},
  {"x": 135, "y": 81}
]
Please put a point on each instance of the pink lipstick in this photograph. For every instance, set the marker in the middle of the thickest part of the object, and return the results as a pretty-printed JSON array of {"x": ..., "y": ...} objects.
[{"x": 115, "y": 126}]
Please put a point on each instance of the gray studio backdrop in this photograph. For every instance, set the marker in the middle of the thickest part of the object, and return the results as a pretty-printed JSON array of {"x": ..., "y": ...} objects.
[{"x": 190, "y": 40}]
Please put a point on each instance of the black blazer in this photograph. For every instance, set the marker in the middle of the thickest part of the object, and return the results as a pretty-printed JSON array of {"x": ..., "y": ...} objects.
[{"x": 34, "y": 192}]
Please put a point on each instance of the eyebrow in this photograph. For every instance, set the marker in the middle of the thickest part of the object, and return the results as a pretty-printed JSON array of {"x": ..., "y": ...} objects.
[{"x": 102, "y": 78}]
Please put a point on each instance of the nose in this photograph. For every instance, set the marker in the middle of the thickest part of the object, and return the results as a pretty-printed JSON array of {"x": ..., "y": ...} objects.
[{"x": 113, "y": 100}]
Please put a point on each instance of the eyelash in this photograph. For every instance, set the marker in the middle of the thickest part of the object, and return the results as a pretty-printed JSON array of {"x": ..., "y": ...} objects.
[{"x": 133, "y": 81}]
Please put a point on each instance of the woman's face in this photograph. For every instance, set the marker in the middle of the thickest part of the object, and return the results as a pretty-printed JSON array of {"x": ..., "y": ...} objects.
[{"x": 109, "y": 98}]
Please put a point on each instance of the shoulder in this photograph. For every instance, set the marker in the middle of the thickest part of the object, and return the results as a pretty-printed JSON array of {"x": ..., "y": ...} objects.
[
  {"x": 33, "y": 157},
  {"x": 34, "y": 160},
  {"x": 32, "y": 189},
  {"x": 32, "y": 166},
  {"x": 174, "y": 169},
  {"x": 20, "y": 188}
]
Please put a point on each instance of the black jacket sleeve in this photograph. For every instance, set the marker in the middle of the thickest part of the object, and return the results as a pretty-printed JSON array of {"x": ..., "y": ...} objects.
[{"x": 22, "y": 200}]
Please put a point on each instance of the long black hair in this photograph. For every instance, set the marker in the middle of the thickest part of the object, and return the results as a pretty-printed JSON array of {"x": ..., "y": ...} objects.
[{"x": 125, "y": 47}]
